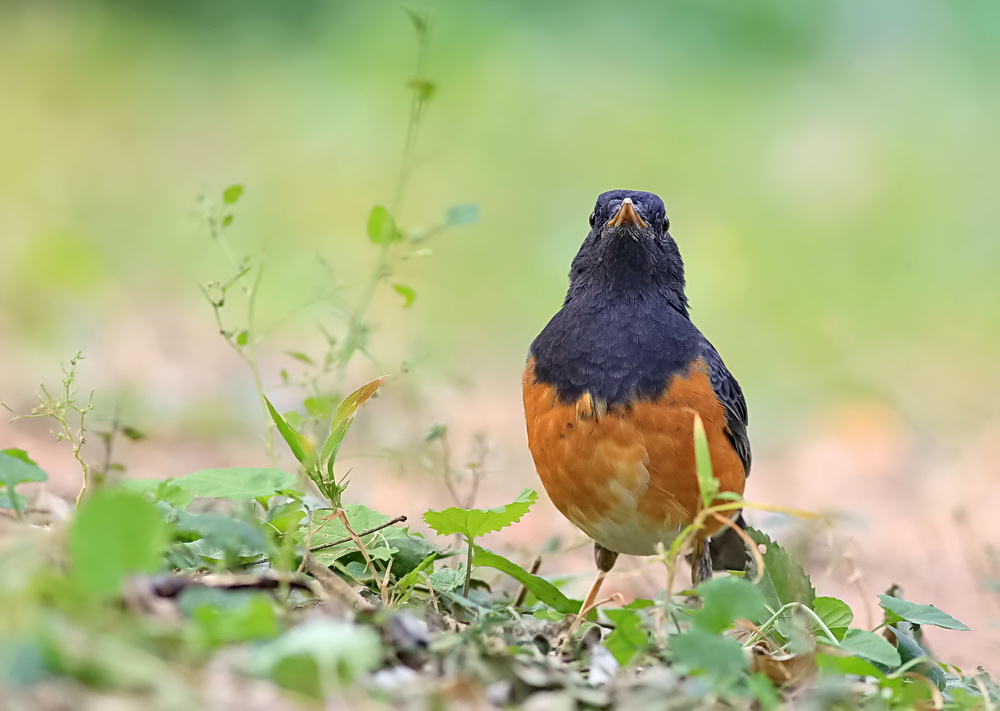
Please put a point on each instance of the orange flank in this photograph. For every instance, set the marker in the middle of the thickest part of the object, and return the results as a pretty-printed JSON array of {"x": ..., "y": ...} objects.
[{"x": 625, "y": 474}]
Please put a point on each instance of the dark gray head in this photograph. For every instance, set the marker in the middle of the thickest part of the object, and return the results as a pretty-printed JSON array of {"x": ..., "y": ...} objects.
[{"x": 629, "y": 251}]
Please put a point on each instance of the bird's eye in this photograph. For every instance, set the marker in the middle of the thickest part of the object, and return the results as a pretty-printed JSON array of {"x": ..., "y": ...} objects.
[
  {"x": 593, "y": 218},
  {"x": 666, "y": 225}
]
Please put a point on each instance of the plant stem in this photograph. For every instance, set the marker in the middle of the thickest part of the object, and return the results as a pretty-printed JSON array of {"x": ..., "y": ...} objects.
[{"x": 468, "y": 568}]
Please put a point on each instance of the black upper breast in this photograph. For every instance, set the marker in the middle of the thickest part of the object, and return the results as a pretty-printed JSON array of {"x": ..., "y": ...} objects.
[
  {"x": 624, "y": 351},
  {"x": 616, "y": 352}
]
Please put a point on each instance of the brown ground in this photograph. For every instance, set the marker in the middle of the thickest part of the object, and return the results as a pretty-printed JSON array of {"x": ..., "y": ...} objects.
[{"x": 901, "y": 510}]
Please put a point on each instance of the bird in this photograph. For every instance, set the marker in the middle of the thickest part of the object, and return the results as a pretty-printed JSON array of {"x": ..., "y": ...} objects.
[{"x": 611, "y": 388}]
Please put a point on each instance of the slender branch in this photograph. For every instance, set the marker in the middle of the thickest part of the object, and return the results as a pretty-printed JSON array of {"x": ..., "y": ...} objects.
[
  {"x": 364, "y": 552},
  {"x": 335, "y": 585}
]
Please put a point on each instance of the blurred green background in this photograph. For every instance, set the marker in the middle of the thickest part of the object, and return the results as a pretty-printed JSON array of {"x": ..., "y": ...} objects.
[{"x": 830, "y": 170}]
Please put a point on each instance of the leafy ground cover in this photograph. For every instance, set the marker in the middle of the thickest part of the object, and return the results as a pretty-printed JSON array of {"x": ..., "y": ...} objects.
[
  {"x": 269, "y": 588},
  {"x": 226, "y": 585}
]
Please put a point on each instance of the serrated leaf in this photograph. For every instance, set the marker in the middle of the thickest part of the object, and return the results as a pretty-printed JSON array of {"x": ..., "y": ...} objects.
[
  {"x": 462, "y": 215},
  {"x": 407, "y": 293},
  {"x": 473, "y": 523},
  {"x": 296, "y": 442},
  {"x": 836, "y": 615},
  {"x": 783, "y": 580},
  {"x": 236, "y": 483},
  {"x": 870, "y": 646},
  {"x": 725, "y": 600},
  {"x": 701, "y": 652},
  {"x": 344, "y": 417},
  {"x": 920, "y": 614},
  {"x": 232, "y": 194},
  {"x": 115, "y": 533},
  {"x": 629, "y": 636},
  {"x": 539, "y": 587},
  {"x": 382, "y": 227},
  {"x": 447, "y": 579}
]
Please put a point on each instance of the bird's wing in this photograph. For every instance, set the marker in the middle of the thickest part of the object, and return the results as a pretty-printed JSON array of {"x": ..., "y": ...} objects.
[{"x": 728, "y": 391}]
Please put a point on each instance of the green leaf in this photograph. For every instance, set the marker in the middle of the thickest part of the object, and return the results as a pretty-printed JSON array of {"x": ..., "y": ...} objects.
[
  {"x": 725, "y": 600},
  {"x": 382, "y": 227},
  {"x": 361, "y": 519},
  {"x": 407, "y": 293},
  {"x": 301, "y": 357},
  {"x": 462, "y": 215},
  {"x": 317, "y": 654},
  {"x": 242, "y": 338},
  {"x": 13, "y": 500},
  {"x": 784, "y": 580},
  {"x": 425, "y": 89},
  {"x": 473, "y": 523},
  {"x": 836, "y": 615},
  {"x": 539, "y": 587},
  {"x": 344, "y": 417},
  {"x": 447, "y": 579},
  {"x": 701, "y": 652},
  {"x": 232, "y": 194},
  {"x": 320, "y": 407},
  {"x": 226, "y": 617},
  {"x": 628, "y": 638},
  {"x": 16, "y": 467},
  {"x": 708, "y": 485},
  {"x": 115, "y": 533},
  {"x": 834, "y": 665},
  {"x": 227, "y": 220},
  {"x": 236, "y": 483},
  {"x": 871, "y": 646},
  {"x": 419, "y": 21},
  {"x": 920, "y": 614},
  {"x": 220, "y": 537},
  {"x": 155, "y": 490},
  {"x": 296, "y": 442},
  {"x": 910, "y": 649}
]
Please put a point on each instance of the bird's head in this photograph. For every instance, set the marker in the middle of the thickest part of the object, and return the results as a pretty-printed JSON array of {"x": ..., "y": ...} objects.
[{"x": 629, "y": 248}]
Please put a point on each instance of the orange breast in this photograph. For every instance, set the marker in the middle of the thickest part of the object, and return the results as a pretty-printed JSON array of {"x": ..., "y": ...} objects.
[{"x": 625, "y": 475}]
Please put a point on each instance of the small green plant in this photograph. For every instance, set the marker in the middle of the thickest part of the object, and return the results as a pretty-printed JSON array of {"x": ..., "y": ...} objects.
[{"x": 473, "y": 523}]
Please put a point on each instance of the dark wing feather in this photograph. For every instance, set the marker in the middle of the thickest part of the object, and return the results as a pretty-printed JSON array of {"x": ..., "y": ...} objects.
[{"x": 731, "y": 396}]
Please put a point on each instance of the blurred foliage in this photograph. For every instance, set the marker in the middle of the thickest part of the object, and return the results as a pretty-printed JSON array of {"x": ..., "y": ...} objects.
[{"x": 828, "y": 168}]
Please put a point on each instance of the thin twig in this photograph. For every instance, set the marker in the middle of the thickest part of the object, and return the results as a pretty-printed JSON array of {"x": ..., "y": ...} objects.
[
  {"x": 364, "y": 552},
  {"x": 335, "y": 585}
]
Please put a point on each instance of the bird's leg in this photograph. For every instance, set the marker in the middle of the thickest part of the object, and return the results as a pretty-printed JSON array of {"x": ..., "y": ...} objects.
[
  {"x": 701, "y": 562},
  {"x": 605, "y": 560}
]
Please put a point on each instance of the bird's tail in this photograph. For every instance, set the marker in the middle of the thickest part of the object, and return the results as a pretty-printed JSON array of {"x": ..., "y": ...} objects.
[{"x": 729, "y": 552}]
